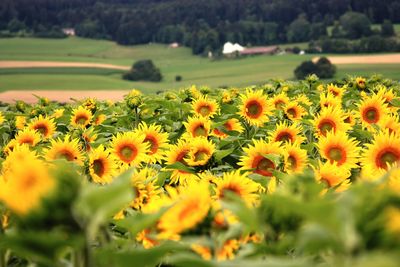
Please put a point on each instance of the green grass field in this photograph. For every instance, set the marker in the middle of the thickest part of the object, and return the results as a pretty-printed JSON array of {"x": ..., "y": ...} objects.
[{"x": 178, "y": 61}]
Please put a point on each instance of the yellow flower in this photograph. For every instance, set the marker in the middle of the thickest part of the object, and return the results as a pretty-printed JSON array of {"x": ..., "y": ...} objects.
[
  {"x": 360, "y": 82},
  {"x": 81, "y": 117},
  {"x": 331, "y": 174},
  {"x": 100, "y": 119},
  {"x": 230, "y": 125},
  {"x": 200, "y": 152},
  {"x": 45, "y": 126},
  {"x": 190, "y": 208},
  {"x": 393, "y": 220},
  {"x": 295, "y": 158},
  {"x": 204, "y": 251},
  {"x": 303, "y": 99},
  {"x": 147, "y": 239},
  {"x": 335, "y": 90},
  {"x": 382, "y": 153},
  {"x": 28, "y": 136},
  {"x": 254, "y": 107},
  {"x": 255, "y": 160},
  {"x": 130, "y": 148},
  {"x": 2, "y": 119},
  {"x": 387, "y": 96},
  {"x": 58, "y": 113},
  {"x": 227, "y": 251},
  {"x": 372, "y": 110},
  {"x": 66, "y": 149},
  {"x": 294, "y": 111},
  {"x": 28, "y": 182},
  {"x": 330, "y": 119},
  {"x": 157, "y": 140},
  {"x": 287, "y": 133},
  {"x": 198, "y": 126},
  {"x": 102, "y": 166},
  {"x": 226, "y": 97},
  {"x": 180, "y": 153},
  {"x": 280, "y": 100},
  {"x": 329, "y": 100},
  {"x": 339, "y": 148},
  {"x": 20, "y": 122},
  {"x": 390, "y": 123},
  {"x": 205, "y": 107},
  {"x": 350, "y": 118},
  {"x": 239, "y": 184},
  {"x": 146, "y": 190}
]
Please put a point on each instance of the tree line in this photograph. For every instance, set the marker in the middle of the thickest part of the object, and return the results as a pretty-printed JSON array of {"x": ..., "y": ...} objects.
[{"x": 203, "y": 25}]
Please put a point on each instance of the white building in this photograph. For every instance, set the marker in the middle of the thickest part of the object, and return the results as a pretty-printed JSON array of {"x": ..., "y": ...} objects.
[{"x": 230, "y": 48}]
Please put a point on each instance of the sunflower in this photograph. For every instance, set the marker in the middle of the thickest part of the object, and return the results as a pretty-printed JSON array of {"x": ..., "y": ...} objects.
[
  {"x": 157, "y": 140},
  {"x": 280, "y": 100},
  {"x": 130, "y": 148},
  {"x": 88, "y": 137},
  {"x": 303, "y": 99},
  {"x": 371, "y": 111},
  {"x": 100, "y": 119},
  {"x": 81, "y": 117},
  {"x": 294, "y": 158},
  {"x": 28, "y": 182},
  {"x": 28, "y": 136},
  {"x": 20, "y": 153},
  {"x": 205, "y": 107},
  {"x": 228, "y": 249},
  {"x": 330, "y": 119},
  {"x": 360, "y": 82},
  {"x": 147, "y": 239},
  {"x": 226, "y": 97},
  {"x": 287, "y": 133},
  {"x": 204, "y": 251},
  {"x": 382, "y": 153},
  {"x": 350, "y": 118},
  {"x": 7, "y": 149},
  {"x": 391, "y": 123},
  {"x": 45, "y": 126},
  {"x": 255, "y": 157},
  {"x": 102, "y": 166},
  {"x": 179, "y": 153},
  {"x": 335, "y": 90},
  {"x": 67, "y": 149},
  {"x": 200, "y": 152},
  {"x": 2, "y": 119},
  {"x": 239, "y": 184},
  {"x": 254, "y": 107},
  {"x": 190, "y": 207},
  {"x": 294, "y": 111},
  {"x": 230, "y": 125},
  {"x": 331, "y": 174},
  {"x": 339, "y": 148},
  {"x": 329, "y": 100},
  {"x": 387, "y": 96},
  {"x": 58, "y": 113},
  {"x": 198, "y": 126},
  {"x": 20, "y": 122},
  {"x": 146, "y": 190}
]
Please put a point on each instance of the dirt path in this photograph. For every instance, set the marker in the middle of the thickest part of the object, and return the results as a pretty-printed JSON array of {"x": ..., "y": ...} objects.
[
  {"x": 61, "y": 95},
  {"x": 367, "y": 59},
  {"x": 56, "y": 64}
]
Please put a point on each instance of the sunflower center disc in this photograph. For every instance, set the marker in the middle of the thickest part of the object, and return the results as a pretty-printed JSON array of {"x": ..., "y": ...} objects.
[
  {"x": 326, "y": 126},
  {"x": 98, "y": 167},
  {"x": 41, "y": 129},
  {"x": 127, "y": 152},
  {"x": 81, "y": 120},
  {"x": 292, "y": 161},
  {"x": 371, "y": 115},
  {"x": 200, "y": 131},
  {"x": 389, "y": 158},
  {"x": 254, "y": 109},
  {"x": 335, "y": 154},
  {"x": 199, "y": 156},
  {"x": 284, "y": 137},
  {"x": 292, "y": 112},
  {"x": 205, "y": 110},
  {"x": 265, "y": 166}
]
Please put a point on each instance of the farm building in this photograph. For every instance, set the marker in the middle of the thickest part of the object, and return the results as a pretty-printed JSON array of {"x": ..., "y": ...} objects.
[{"x": 260, "y": 50}]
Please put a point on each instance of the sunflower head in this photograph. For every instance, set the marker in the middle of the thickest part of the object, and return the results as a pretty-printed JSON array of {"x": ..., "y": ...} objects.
[
  {"x": 257, "y": 157},
  {"x": 230, "y": 125},
  {"x": 329, "y": 99},
  {"x": 180, "y": 153},
  {"x": 295, "y": 158},
  {"x": 130, "y": 148},
  {"x": 198, "y": 126},
  {"x": 200, "y": 152},
  {"x": 45, "y": 126},
  {"x": 64, "y": 149},
  {"x": 254, "y": 107},
  {"x": 360, "y": 83},
  {"x": 331, "y": 174},
  {"x": 287, "y": 133},
  {"x": 294, "y": 111},
  {"x": 81, "y": 117},
  {"x": 335, "y": 90},
  {"x": 205, "y": 107},
  {"x": 280, "y": 100},
  {"x": 371, "y": 111},
  {"x": 102, "y": 165},
  {"x": 28, "y": 136},
  {"x": 156, "y": 139},
  {"x": 330, "y": 119}
]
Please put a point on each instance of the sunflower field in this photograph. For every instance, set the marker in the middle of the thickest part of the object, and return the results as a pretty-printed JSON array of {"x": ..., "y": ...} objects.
[{"x": 284, "y": 174}]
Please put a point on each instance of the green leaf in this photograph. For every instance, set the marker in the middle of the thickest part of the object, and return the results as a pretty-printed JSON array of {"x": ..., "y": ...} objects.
[
  {"x": 220, "y": 154},
  {"x": 395, "y": 102},
  {"x": 97, "y": 204},
  {"x": 180, "y": 166}
]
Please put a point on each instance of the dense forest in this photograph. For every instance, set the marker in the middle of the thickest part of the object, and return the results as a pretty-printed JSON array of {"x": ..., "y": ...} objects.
[{"x": 203, "y": 25}]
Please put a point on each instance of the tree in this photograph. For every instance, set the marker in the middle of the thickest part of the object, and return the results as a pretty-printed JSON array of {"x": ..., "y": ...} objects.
[
  {"x": 355, "y": 25},
  {"x": 143, "y": 70},
  {"x": 323, "y": 69},
  {"x": 299, "y": 30},
  {"x": 387, "y": 29}
]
